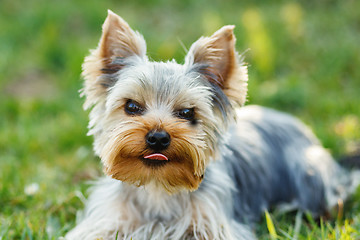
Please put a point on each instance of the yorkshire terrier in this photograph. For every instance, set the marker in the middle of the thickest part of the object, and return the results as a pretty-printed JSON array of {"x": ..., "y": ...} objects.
[{"x": 183, "y": 158}]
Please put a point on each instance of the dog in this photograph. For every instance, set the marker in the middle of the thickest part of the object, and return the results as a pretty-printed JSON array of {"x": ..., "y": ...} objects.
[{"x": 183, "y": 157}]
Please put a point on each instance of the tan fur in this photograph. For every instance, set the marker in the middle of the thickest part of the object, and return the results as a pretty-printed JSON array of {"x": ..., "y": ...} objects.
[
  {"x": 117, "y": 40},
  {"x": 123, "y": 153},
  {"x": 218, "y": 51}
]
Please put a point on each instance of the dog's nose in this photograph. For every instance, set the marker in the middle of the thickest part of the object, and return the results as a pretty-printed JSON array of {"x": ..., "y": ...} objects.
[{"x": 158, "y": 140}]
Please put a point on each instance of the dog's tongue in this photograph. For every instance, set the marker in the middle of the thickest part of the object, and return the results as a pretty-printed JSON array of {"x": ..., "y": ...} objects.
[{"x": 157, "y": 156}]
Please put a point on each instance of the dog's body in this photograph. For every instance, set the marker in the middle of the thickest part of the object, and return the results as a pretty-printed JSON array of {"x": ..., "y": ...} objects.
[{"x": 181, "y": 167}]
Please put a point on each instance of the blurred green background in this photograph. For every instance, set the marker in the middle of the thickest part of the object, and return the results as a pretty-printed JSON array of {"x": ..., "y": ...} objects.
[{"x": 303, "y": 58}]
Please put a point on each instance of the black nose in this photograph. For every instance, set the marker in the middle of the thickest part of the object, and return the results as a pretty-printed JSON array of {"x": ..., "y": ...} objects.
[{"x": 158, "y": 140}]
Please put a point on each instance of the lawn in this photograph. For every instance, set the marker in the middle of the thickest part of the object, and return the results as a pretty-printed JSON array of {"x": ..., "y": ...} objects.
[{"x": 303, "y": 58}]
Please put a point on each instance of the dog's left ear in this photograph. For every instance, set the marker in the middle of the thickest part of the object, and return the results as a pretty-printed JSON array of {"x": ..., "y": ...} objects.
[
  {"x": 117, "y": 45},
  {"x": 216, "y": 58}
]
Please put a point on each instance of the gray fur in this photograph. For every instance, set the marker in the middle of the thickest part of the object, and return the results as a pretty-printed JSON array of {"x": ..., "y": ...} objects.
[{"x": 271, "y": 162}]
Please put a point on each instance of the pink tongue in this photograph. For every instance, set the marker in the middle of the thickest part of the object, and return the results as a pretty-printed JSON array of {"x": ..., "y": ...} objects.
[{"x": 157, "y": 156}]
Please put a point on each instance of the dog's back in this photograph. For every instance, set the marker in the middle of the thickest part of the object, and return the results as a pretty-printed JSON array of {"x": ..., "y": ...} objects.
[{"x": 275, "y": 159}]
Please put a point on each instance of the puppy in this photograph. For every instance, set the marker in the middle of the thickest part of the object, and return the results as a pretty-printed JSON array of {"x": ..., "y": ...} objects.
[{"x": 183, "y": 158}]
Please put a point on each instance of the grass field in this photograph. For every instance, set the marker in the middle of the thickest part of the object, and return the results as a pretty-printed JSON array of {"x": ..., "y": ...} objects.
[{"x": 303, "y": 57}]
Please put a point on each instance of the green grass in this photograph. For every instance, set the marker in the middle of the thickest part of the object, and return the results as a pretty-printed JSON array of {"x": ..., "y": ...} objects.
[{"x": 303, "y": 58}]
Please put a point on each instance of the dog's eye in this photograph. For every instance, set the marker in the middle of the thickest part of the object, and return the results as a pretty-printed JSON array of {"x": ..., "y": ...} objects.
[
  {"x": 186, "y": 113},
  {"x": 133, "y": 108}
]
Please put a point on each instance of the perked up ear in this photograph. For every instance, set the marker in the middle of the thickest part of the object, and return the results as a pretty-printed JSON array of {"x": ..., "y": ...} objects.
[
  {"x": 216, "y": 58},
  {"x": 117, "y": 43}
]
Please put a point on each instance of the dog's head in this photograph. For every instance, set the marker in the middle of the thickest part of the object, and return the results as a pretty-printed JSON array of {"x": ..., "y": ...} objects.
[{"x": 161, "y": 122}]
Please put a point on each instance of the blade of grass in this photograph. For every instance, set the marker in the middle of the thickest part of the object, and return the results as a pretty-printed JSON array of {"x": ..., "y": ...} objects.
[{"x": 270, "y": 226}]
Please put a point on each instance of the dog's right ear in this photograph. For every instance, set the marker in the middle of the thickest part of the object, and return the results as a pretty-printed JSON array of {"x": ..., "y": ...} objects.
[
  {"x": 117, "y": 44},
  {"x": 215, "y": 57}
]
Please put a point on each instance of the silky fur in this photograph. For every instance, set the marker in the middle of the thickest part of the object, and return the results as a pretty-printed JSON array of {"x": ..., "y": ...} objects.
[{"x": 221, "y": 175}]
